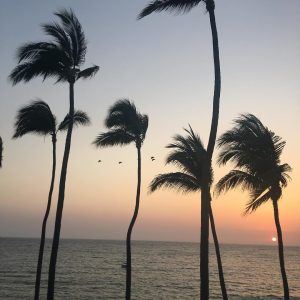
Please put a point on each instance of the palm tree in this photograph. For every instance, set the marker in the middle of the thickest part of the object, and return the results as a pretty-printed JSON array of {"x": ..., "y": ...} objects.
[
  {"x": 37, "y": 118},
  {"x": 184, "y": 6},
  {"x": 255, "y": 152},
  {"x": 189, "y": 155},
  {"x": 1, "y": 152},
  {"x": 126, "y": 125},
  {"x": 61, "y": 58}
]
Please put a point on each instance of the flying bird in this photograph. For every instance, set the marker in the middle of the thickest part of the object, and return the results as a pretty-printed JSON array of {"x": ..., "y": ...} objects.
[
  {"x": 99, "y": 160},
  {"x": 120, "y": 162},
  {"x": 152, "y": 158}
]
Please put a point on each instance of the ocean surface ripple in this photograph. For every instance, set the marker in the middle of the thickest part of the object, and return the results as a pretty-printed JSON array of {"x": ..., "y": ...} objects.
[{"x": 91, "y": 269}]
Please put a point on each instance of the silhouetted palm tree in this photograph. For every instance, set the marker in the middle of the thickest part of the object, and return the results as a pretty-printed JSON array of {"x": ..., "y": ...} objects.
[
  {"x": 60, "y": 58},
  {"x": 37, "y": 118},
  {"x": 183, "y": 6},
  {"x": 189, "y": 155},
  {"x": 255, "y": 152},
  {"x": 126, "y": 125},
  {"x": 1, "y": 151}
]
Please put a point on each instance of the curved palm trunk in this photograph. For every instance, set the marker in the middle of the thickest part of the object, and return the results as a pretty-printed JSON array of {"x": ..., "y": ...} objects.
[
  {"x": 280, "y": 251},
  {"x": 60, "y": 201},
  {"x": 218, "y": 254},
  {"x": 205, "y": 194},
  {"x": 128, "y": 238},
  {"x": 43, "y": 234}
]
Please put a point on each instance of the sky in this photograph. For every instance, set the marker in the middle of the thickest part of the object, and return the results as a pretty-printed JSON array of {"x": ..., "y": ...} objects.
[{"x": 164, "y": 64}]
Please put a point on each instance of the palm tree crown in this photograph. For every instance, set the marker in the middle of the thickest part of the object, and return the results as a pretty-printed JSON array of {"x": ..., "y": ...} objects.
[
  {"x": 60, "y": 58},
  {"x": 38, "y": 118},
  {"x": 255, "y": 152},
  {"x": 188, "y": 154},
  {"x": 125, "y": 124}
]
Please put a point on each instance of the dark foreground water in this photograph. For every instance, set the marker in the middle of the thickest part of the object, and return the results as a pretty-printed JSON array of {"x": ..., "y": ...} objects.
[{"x": 91, "y": 269}]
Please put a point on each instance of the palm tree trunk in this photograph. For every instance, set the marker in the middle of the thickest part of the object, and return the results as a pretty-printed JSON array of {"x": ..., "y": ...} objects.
[
  {"x": 204, "y": 246},
  {"x": 60, "y": 201},
  {"x": 43, "y": 235},
  {"x": 218, "y": 254},
  {"x": 280, "y": 251},
  {"x": 128, "y": 238},
  {"x": 217, "y": 88},
  {"x": 205, "y": 199}
]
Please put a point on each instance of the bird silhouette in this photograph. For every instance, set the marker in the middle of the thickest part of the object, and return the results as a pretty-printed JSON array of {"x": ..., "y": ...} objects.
[
  {"x": 152, "y": 158},
  {"x": 120, "y": 162},
  {"x": 99, "y": 160}
]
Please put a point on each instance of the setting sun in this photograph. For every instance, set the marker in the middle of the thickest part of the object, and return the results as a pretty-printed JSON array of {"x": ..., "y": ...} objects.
[{"x": 274, "y": 239}]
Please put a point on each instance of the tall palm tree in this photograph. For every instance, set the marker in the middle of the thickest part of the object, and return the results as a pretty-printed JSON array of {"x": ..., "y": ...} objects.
[
  {"x": 37, "y": 118},
  {"x": 1, "y": 151},
  {"x": 126, "y": 125},
  {"x": 188, "y": 154},
  {"x": 61, "y": 58},
  {"x": 255, "y": 152},
  {"x": 184, "y": 6}
]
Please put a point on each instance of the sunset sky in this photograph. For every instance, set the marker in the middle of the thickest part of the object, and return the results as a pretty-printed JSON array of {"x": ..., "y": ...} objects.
[{"x": 164, "y": 64}]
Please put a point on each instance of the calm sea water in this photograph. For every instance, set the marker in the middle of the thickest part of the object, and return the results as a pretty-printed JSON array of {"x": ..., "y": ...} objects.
[{"x": 91, "y": 269}]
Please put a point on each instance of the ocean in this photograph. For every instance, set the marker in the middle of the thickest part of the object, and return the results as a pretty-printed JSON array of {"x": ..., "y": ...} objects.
[{"x": 91, "y": 269}]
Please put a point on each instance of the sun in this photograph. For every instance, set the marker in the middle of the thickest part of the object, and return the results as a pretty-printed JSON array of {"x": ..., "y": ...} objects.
[{"x": 274, "y": 239}]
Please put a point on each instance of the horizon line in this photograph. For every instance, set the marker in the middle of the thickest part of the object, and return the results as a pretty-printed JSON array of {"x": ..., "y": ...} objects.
[{"x": 157, "y": 241}]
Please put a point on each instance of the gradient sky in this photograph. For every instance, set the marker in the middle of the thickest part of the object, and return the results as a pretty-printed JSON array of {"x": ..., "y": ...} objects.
[{"x": 164, "y": 64}]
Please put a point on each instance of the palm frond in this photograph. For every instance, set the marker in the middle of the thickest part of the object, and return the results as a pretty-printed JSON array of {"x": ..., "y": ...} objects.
[
  {"x": 88, "y": 72},
  {"x": 278, "y": 145},
  {"x": 188, "y": 154},
  {"x": 60, "y": 37},
  {"x": 143, "y": 125},
  {"x": 191, "y": 143},
  {"x": 284, "y": 176},
  {"x": 80, "y": 118},
  {"x": 74, "y": 30},
  {"x": 35, "y": 118},
  {"x": 234, "y": 179},
  {"x": 177, "y": 6},
  {"x": 1, "y": 152},
  {"x": 185, "y": 163},
  {"x": 254, "y": 204},
  {"x": 48, "y": 62},
  {"x": 113, "y": 137},
  {"x": 180, "y": 142},
  {"x": 180, "y": 181},
  {"x": 29, "y": 51}
]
